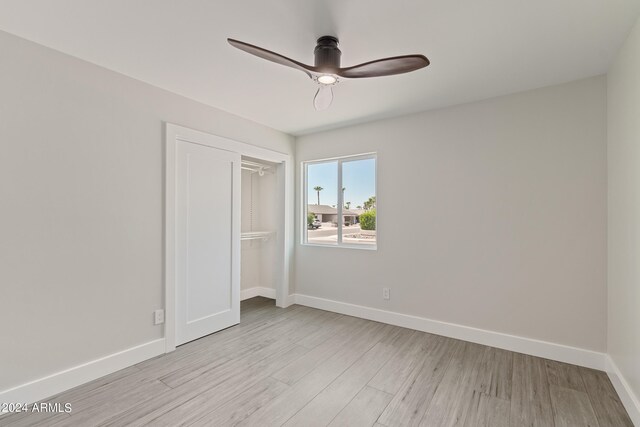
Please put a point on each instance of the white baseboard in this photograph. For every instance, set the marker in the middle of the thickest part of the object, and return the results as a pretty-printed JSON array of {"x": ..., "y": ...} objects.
[
  {"x": 629, "y": 399},
  {"x": 257, "y": 291},
  {"x": 37, "y": 390},
  {"x": 547, "y": 350},
  {"x": 289, "y": 300}
]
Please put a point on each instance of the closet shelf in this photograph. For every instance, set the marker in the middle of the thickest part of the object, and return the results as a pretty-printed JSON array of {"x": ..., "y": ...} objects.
[{"x": 257, "y": 235}]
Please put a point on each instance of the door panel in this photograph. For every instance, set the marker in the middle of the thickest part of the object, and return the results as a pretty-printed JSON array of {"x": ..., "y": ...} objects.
[{"x": 208, "y": 221}]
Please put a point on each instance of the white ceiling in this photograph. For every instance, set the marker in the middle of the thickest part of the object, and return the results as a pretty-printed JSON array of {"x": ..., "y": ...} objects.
[{"x": 478, "y": 48}]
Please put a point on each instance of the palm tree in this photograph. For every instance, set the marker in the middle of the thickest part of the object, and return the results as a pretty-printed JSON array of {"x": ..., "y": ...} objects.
[
  {"x": 318, "y": 190},
  {"x": 370, "y": 203},
  {"x": 343, "y": 188},
  {"x": 347, "y": 205}
]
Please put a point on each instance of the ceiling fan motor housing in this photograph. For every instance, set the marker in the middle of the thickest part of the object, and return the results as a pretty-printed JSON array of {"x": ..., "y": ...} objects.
[{"x": 327, "y": 55}]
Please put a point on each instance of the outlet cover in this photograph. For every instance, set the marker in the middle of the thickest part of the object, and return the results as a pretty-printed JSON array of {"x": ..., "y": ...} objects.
[{"x": 158, "y": 317}]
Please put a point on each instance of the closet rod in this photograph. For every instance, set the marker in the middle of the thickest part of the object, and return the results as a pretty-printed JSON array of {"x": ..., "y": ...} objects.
[{"x": 255, "y": 167}]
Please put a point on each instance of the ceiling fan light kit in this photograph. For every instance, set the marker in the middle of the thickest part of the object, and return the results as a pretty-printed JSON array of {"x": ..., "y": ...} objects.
[
  {"x": 326, "y": 70},
  {"x": 327, "y": 79}
]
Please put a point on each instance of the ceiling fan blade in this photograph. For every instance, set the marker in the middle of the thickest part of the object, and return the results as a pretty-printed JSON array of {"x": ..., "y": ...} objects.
[
  {"x": 385, "y": 67},
  {"x": 272, "y": 56},
  {"x": 323, "y": 98}
]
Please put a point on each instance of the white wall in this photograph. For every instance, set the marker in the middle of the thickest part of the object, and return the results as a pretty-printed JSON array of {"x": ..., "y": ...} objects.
[
  {"x": 271, "y": 214},
  {"x": 261, "y": 211},
  {"x": 250, "y": 251},
  {"x": 623, "y": 87},
  {"x": 507, "y": 199},
  {"x": 81, "y": 175}
]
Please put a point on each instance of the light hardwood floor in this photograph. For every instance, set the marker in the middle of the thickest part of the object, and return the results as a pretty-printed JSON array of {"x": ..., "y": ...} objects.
[{"x": 305, "y": 367}]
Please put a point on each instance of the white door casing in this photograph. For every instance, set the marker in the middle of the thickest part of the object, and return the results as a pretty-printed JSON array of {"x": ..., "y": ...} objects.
[{"x": 207, "y": 254}]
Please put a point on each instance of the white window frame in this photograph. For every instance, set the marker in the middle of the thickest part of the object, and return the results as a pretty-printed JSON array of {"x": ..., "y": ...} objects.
[{"x": 305, "y": 197}]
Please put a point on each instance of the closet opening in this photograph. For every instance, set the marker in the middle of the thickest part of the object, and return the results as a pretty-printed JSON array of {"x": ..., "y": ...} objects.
[{"x": 262, "y": 213}]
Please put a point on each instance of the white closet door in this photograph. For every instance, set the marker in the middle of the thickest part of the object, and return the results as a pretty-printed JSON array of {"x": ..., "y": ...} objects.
[{"x": 207, "y": 240}]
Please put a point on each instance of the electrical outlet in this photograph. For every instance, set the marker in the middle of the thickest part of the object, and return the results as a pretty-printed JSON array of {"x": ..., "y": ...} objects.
[
  {"x": 158, "y": 317},
  {"x": 386, "y": 293}
]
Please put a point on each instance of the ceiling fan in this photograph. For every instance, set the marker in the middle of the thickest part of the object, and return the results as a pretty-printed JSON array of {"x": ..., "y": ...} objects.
[{"x": 326, "y": 70}]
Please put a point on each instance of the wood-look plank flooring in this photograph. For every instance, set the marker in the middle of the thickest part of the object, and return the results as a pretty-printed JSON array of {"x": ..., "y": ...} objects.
[{"x": 305, "y": 367}]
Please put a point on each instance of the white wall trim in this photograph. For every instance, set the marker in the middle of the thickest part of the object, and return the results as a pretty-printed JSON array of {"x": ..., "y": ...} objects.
[
  {"x": 58, "y": 382},
  {"x": 289, "y": 300},
  {"x": 257, "y": 291},
  {"x": 548, "y": 350},
  {"x": 629, "y": 399}
]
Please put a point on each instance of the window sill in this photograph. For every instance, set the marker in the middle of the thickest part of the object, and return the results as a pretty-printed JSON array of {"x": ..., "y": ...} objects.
[{"x": 343, "y": 246}]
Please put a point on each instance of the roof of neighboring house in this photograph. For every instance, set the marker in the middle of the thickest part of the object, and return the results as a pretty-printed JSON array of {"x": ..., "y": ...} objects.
[
  {"x": 358, "y": 211},
  {"x": 329, "y": 210},
  {"x": 322, "y": 209}
]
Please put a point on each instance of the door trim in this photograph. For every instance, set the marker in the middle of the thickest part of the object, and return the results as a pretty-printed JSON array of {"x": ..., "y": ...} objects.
[{"x": 175, "y": 133}]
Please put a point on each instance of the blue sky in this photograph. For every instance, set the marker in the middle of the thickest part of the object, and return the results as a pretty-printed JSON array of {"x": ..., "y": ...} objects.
[{"x": 358, "y": 177}]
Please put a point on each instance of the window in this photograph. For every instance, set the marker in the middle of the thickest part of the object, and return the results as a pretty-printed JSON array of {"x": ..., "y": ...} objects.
[{"x": 340, "y": 202}]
